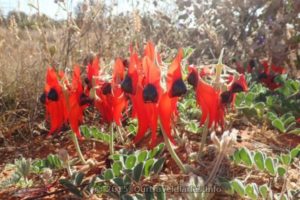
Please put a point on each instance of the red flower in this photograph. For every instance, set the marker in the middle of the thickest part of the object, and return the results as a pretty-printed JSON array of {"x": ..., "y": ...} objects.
[
  {"x": 168, "y": 101},
  {"x": 238, "y": 85},
  {"x": 132, "y": 80},
  {"x": 146, "y": 100},
  {"x": 78, "y": 101},
  {"x": 235, "y": 86},
  {"x": 92, "y": 69},
  {"x": 112, "y": 99},
  {"x": 54, "y": 100},
  {"x": 267, "y": 78},
  {"x": 211, "y": 104}
]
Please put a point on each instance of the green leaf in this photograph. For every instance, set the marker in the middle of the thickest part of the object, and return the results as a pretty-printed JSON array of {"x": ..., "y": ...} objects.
[
  {"x": 259, "y": 107},
  {"x": 149, "y": 194},
  {"x": 115, "y": 157},
  {"x": 161, "y": 147},
  {"x": 117, "y": 167},
  {"x": 84, "y": 130},
  {"x": 54, "y": 162},
  {"x": 137, "y": 172},
  {"x": 259, "y": 160},
  {"x": 264, "y": 190},
  {"x": 106, "y": 138},
  {"x": 226, "y": 185},
  {"x": 295, "y": 131},
  {"x": 249, "y": 98},
  {"x": 130, "y": 161},
  {"x": 158, "y": 165},
  {"x": 160, "y": 193},
  {"x": 238, "y": 186},
  {"x": 285, "y": 159},
  {"x": 286, "y": 116},
  {"x": 289, "y": 120},
  {"x": 127, "y": 180},
  {"x": 156, "y": 151},
  {"x": 277, "y": 123},
  {"x": 72, "y": 188},
  {"x": 148, "y": 166},
  {"x": 284, "y": 197},
  {"x": 295, "y": 152},
  {"x": 281, "y": 171},
  {"x": 139, "y": 197},
  {"x": 252, "y": 191},
  {"x": 108, "y": 174},
  {"x": 270, "y": 101},
  {"x": 245, "y": 155},
  {"x": 236, "y": 157},
  {"x": 290, "y": 126},
  {"x": 95, "y": 133},
  {"x": 78, "y": 178},
  {"x": 127, "y": 197},
  {"x": 269, "y": 163},
  {"x": 119, "y": 181},
  {"x": 271, "y": 116},
  {"x": 142, "y": 156}
]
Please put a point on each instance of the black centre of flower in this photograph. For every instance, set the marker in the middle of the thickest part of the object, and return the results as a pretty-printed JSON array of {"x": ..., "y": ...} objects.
[
  {"x": 126, "y": 85},
  {"x": 52, "y": 95},
  {"x": 88, "y": 82},
  {"x": 252, "y": 63},
  {"x": 106, "y": 88},
  {"x": 84, "y": 100},
  {"x": 262, "y": 76},
  {"x": 226, "y": 97},
  {"x": 150, "y": 94},
  {"x": 236, "y": 87},
  {"x": 192, "y": 79},
  {"x": 126, "y": 63},
  {"x": 43, "y": 98},
  {"x": 178, "y": 88}
]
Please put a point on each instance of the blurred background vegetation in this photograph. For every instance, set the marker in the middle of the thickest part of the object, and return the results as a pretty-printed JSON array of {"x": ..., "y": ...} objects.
[{"x": 248, "y": 29}]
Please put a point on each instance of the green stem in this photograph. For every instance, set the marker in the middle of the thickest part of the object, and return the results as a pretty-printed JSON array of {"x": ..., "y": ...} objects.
[
  {"x": 203, "y": 137},
  {"x": 172, "y": 152},
  {"x": 111, "y": 142},
  {"x": 75, "y": 140}
]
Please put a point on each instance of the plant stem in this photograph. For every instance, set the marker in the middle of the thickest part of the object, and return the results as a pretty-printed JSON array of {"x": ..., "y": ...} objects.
[
  {"x": 172, "y": 152},
  {"x": 111, "y": 142},
  {"x": 203, "y": 137},
  {"x": 69, "y": 169},
  {"x": 75, "y": 140}
]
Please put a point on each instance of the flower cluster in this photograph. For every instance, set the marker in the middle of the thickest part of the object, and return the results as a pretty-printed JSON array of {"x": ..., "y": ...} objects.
[
  {"x": 64, "y": 102},
  {"x": 151, "y": 89},
  {"x": 213, "y": 99},
  {"x": 138, "y": 81}
]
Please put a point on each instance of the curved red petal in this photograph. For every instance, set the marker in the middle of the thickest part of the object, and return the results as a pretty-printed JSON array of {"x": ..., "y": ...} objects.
[
  {"x": 174, "y": 71},
  {"x": 166, "y": 108},
  {"x": 149, "y": 51},
  {"x": 118, "y": 72}
]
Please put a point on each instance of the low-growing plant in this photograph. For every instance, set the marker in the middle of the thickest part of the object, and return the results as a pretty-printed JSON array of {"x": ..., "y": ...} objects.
[{"x": 128, "y": 171}]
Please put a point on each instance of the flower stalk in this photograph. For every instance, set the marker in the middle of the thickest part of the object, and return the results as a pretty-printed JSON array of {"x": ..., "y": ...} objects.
[
  {"x": 203, "y": 137},
  {"x": 172, "y": 152},
  {"x": 75, "y": 140},
  {"x": 111, "y": 142}
]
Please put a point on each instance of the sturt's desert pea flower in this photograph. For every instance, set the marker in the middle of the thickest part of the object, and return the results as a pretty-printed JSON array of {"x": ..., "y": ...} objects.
[{"x": 54, "y": 100}]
